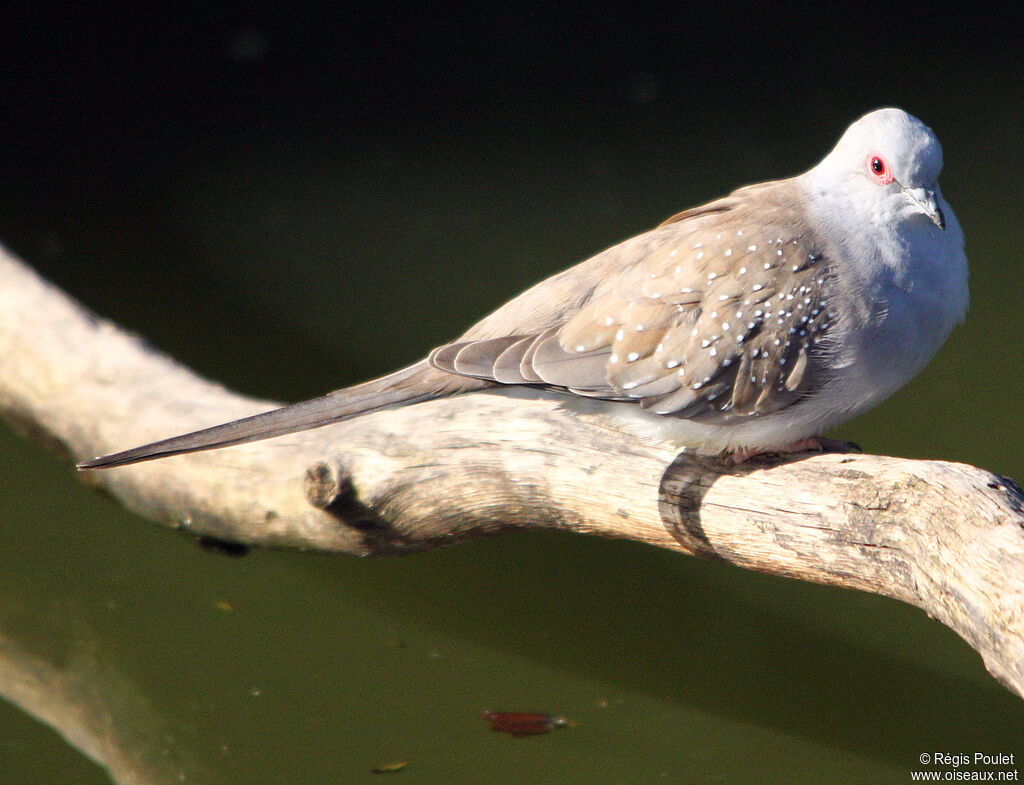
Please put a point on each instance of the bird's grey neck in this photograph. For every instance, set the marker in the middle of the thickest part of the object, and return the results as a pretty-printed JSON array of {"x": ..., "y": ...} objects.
[{"x": 872, "y": 252}]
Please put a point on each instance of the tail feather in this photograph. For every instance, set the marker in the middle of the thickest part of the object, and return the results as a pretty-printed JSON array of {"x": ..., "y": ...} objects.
[{"x": 417, "y": 383}]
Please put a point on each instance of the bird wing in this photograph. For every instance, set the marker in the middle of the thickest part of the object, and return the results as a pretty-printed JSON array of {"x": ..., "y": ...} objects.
[{"x": 722, "y": 315}]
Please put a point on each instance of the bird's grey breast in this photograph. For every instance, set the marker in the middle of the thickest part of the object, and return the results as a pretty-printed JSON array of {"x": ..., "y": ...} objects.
[{"x": 899, "y": 290}]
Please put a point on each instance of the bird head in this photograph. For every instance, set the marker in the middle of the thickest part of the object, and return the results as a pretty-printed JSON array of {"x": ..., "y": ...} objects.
[{"x": 889, "y": 162}]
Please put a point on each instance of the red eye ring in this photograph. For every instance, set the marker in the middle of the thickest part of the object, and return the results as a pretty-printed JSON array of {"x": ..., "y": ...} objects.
[{"x": 879, "y": 169}]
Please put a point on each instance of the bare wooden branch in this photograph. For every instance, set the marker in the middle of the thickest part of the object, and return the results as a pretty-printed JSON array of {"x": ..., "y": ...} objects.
[{"x": 946, "y": 537}]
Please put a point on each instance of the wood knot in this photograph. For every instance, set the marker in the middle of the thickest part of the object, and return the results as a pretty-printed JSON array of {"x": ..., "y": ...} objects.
[{"x": 327, "y": 483}]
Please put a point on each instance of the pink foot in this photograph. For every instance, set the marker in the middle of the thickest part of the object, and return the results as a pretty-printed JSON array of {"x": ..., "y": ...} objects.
[{"x": 810, "y": 444}]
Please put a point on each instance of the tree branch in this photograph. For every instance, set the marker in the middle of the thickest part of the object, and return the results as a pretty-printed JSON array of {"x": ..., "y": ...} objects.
[{"x": 946, "y": 537}]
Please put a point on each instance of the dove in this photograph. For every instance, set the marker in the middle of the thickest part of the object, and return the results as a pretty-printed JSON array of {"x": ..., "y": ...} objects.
[{"x": 750, "y": 324}]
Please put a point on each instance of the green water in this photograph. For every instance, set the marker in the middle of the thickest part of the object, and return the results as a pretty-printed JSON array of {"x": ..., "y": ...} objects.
[
  {"x": 286, "y": 263},
  {"x": 284, "y": 667}
]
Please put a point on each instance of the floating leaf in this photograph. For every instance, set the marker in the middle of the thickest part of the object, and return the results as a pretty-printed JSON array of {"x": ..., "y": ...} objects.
[
  {"x": 521, "y": 723},
  {"x": 389, "y": 768}
]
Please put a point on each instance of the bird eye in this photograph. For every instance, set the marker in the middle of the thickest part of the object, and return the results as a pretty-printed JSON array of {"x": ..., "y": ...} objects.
[{"x": 880, "y": 169}]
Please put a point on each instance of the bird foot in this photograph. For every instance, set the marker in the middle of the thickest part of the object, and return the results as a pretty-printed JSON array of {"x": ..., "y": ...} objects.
[{"x": 810, "y": 444}]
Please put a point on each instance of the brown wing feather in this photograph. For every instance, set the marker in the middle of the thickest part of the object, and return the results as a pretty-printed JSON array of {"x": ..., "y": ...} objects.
[{"x": 718, "y": 314}]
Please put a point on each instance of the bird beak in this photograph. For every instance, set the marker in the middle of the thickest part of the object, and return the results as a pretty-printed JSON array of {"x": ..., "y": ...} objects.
[{"x": 928, "y": 203}]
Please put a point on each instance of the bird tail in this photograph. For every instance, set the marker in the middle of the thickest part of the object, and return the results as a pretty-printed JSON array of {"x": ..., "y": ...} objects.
[{"x": 416, "y": 383}]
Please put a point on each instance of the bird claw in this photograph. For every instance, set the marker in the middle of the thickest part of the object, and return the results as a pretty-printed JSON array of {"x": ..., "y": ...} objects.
[{"x": 810, "y": 444}]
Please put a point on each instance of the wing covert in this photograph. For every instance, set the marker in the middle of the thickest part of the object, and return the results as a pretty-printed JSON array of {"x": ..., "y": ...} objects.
[{"x": 725, "y": 319}]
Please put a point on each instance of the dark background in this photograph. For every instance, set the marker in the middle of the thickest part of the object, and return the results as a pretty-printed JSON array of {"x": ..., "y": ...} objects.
[
  {"x": 500, "y": 144},
  {"x": 290, "y": 199}
]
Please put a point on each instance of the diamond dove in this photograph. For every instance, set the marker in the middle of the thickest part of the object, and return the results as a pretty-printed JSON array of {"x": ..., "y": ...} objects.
[{"x": 750, "y": 324}]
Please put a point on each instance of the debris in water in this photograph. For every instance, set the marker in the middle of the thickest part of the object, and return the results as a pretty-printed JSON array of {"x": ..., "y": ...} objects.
[{"x": 521, "y": 723}]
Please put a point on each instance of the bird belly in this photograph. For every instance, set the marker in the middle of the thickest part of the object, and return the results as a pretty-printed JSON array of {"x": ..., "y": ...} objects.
[{"x": 762, "y": 433}]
